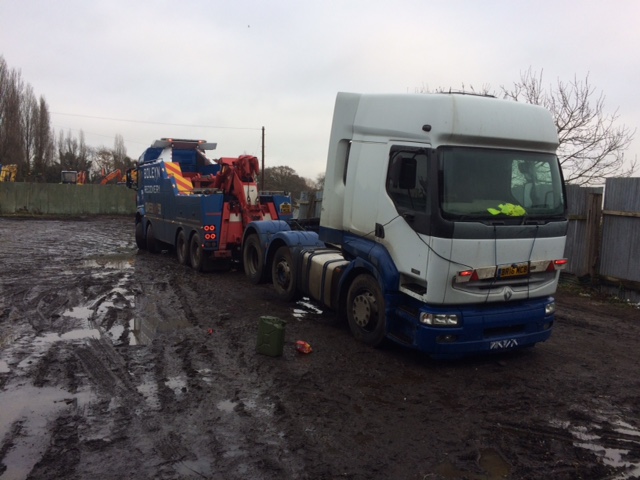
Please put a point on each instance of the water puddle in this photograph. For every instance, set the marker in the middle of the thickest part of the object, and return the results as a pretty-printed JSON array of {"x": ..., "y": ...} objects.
[
  {"x": 207, "y": 376},
  {"x": 489, "y": 459},
  {"x": 133, "y": 340},
  {"x": 80, "y": 334},
  {"x": 226, "y": 406},
  {"x": 613, "y": 450},
  {"x": 28, "y": 410},
  {"x": 118, "y": 262},
  {"x": 177, "y": 384},
  {"x": 41, "y": 343},
  {"x": 305, "y": 307},
  {"x": 146, "y": 329},
  {"x": 115, "y": 333},
  {"x": 79, "y": 313},
  {"x": 149, "y": 390},
  {"x": 201, "y": 467}
]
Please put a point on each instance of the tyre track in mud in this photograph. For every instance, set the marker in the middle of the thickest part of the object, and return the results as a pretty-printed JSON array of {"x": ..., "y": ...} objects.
[
  {"x": 220, "y": 388},
  {"x": 107, "y": 370},
  {"x": 43, "y": 350}
]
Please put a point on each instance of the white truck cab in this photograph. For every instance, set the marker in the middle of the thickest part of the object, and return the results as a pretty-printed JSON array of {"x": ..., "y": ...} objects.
[
  {"x": 448, "y": 211},
  {"x": 442, "y": 226}
]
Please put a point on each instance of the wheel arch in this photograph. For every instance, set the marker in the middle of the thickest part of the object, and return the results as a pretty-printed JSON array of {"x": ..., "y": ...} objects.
[
  {"x": 266, "y": 231},
  {"x": 387, "y": 278},
  {"x": 356, "y": 268},
  {"x": 294, "y": 239}
]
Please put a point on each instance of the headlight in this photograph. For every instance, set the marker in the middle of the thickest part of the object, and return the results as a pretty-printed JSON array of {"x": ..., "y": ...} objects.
[
  {"x": 549, "y": 309},
  {"x": 439, "y": 319}
]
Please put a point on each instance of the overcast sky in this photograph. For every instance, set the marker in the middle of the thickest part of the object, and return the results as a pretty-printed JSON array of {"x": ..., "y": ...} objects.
[{"x": 220, "y": 70}]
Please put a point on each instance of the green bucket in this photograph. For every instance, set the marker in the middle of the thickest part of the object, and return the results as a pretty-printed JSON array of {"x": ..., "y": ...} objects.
[{"x": 270, "y": 336}]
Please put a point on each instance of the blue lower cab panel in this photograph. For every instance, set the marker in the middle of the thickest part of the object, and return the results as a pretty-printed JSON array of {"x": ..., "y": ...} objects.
[{"x": 484, "y": 328}]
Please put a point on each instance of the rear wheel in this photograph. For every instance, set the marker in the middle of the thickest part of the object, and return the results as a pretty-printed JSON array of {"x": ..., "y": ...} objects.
[
  {"x": 140, "y": 241},
  {"x": 283, "y": 275},
  {"x": 366, "y": 310},
  {"x": 152, "y": 243},
  {"x": 253, "y": 259},
  {"x": 196, "y": 254},
  {"x": 182, "y": 248}
]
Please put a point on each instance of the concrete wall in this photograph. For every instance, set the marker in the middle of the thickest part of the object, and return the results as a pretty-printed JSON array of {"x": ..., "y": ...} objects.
[{"x": 58, "y": 199}]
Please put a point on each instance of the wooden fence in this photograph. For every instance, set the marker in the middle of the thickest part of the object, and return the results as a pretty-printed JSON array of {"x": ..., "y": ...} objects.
[{"x": 603, "y": 240}]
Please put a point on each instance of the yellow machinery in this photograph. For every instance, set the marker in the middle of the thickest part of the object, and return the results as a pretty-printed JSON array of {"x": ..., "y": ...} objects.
[{"x": 8, "y": 173}]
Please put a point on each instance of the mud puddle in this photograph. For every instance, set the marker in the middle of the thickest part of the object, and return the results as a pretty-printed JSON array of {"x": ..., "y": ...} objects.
[{"x": 614, "y": 441}]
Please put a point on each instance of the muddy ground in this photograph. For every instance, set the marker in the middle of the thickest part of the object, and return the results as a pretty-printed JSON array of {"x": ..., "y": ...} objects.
[{"x": 116, "y": 363}]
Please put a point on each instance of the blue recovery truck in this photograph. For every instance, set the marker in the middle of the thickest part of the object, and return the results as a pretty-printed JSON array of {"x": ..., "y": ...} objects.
[
  {"x": 443, "y": 224},
  {"x": 201, "y": 207}
]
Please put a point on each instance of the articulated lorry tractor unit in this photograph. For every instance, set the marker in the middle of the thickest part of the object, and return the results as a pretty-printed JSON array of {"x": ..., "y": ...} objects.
[{"x": 443, "y": 222}]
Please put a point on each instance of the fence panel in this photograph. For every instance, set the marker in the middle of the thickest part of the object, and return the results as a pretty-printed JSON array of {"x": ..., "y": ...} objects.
[
  {"x": 620, "y": 253},
  {"x": 59, "y": 199},
  {"x": 583, "y": 212}
]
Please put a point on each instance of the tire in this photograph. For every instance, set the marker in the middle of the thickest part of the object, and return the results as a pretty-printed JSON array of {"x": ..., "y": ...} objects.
[
  {"x": 283, "y": 275},
  {"x": 253, "y": 259},
  {"x": 196, "y": 255},
  {"x": 152, "y": 243},
  {"x": 140, "y": 240},
  {"x": 182, "y": 248},
  {"x": 366, "y": 311}
]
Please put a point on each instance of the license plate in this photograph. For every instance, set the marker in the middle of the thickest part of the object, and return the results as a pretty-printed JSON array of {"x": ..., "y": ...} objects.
[{"x": 518, "y": 270}]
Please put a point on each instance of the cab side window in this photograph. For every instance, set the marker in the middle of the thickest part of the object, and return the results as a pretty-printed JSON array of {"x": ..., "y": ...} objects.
[{"x": 407, "y": 178}]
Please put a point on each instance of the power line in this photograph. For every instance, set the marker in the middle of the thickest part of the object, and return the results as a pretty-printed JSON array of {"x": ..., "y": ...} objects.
[
  {"x": 112, "y": 137},
  {"x": 152, "y": 123}
]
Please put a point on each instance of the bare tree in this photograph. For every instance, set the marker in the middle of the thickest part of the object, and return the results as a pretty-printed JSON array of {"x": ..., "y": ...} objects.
[
  {"x": 73, "y": 153},
  {"x": 119, "y": 152},
  {"x": 28, "y": 124},
  {"x": 44, "y": 146},
  {"x": 25, "y": 134},
  {"x": 286, "y": 179},
  {"x": 11, "y": 141},
  {"x": 592, "y": 143},
  {"x": 107, "y": 160},
  {"x": 103, "y": 161}
]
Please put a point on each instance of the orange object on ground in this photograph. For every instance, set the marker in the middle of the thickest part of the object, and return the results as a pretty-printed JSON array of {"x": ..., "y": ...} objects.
[{"x": 303, "y": 347}]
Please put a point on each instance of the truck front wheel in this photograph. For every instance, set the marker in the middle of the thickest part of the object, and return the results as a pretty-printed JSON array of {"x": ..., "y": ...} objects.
[
  {"x": 140, "y": 241},
  {"x": 283, "y": 275},
  {"x": 182, "y": 248},
  {"x": 253, "y": 259},
  {"x": 196, "y": 255},
  {"x": 366, "y": 310}
]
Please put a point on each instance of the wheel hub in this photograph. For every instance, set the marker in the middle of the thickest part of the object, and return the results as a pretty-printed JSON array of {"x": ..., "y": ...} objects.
[
  {"x": 283, "y": 274},
  {"x": 364, "y": 306}
]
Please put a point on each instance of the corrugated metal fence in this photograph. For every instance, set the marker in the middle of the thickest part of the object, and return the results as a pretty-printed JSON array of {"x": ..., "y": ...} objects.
[{"x": 603, "y": 242}]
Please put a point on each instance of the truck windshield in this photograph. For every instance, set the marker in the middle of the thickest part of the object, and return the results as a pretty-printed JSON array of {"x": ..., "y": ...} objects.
[{"x": 486, "y": 183}]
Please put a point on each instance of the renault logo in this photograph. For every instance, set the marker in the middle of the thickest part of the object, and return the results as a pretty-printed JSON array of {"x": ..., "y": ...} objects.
[{"x": 508, "y": 293}]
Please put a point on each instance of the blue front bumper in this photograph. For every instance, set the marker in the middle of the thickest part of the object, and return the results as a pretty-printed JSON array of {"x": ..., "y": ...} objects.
[{"x": 485, "y": 328}]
